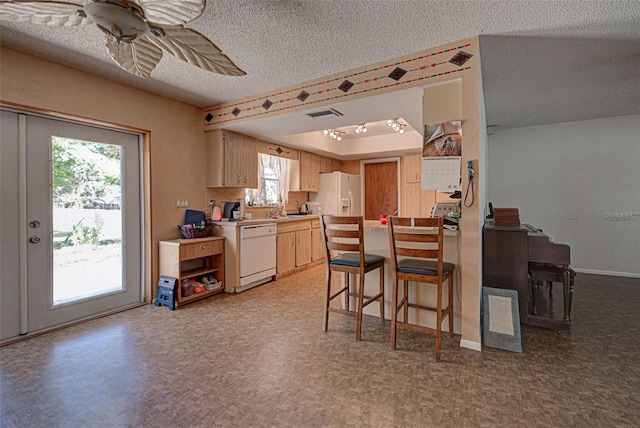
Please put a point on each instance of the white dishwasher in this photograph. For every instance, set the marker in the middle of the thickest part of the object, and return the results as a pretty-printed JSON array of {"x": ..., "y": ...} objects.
[{"x": 257, "y": 255}]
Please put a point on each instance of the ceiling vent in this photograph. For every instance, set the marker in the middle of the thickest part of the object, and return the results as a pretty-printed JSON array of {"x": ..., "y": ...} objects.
[{"x": 324, "y": 114}]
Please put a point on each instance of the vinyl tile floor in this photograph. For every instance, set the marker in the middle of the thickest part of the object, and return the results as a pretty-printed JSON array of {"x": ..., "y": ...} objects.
[{"x": 260, "y": 359}]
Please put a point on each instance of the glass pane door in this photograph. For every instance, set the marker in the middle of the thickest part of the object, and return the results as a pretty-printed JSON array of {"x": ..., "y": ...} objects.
[{"x": 87, "y": 219}]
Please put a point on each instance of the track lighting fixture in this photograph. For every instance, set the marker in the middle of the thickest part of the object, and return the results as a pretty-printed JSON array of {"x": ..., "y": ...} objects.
[
  {"x": 396, "y": 126},
  {"x": 361, "y": 129},
  {"x": 333, "y": 133}
]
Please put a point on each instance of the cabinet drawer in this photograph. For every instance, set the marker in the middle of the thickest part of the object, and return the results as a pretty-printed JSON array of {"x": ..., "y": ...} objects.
[
  {"x": 200, "y": 249},
  {"x": 293, "y": 226},
  {"x": 315, "y": 224}
]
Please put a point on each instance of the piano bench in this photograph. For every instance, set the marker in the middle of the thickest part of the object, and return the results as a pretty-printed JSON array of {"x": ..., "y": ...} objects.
[{"x": 550, "y": 273}]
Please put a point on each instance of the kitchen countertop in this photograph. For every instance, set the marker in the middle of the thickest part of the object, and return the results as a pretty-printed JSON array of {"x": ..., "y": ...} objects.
[
  {"x": 261, "y": 220},
  {"x": 376, "y": 226},
  {"x": 369, "y": 225}
]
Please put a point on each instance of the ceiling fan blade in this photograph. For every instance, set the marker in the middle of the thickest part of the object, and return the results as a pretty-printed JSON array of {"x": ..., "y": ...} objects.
[
  {"x": 139, "y": 57},
  {"x": 196, "y": 49},
  {"x": 44, "y": 13},
  {"x": 171, "y": 12}
]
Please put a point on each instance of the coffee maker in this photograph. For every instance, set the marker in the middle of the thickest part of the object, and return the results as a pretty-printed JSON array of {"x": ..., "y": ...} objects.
[{"x": 229, "y": 209}]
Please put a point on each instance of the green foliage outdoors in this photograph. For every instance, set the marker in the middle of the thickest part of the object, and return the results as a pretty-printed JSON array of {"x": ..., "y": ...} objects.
[
  {"x": 79, "y": 174},
  {"x": 84, "y": 174}
]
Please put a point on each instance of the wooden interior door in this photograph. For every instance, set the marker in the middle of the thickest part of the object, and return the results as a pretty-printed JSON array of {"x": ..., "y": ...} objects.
[{"x": 380, "y": 189}]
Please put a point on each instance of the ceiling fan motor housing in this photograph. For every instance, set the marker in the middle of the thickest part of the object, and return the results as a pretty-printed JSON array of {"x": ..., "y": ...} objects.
[{"x": 122, "y": 22}]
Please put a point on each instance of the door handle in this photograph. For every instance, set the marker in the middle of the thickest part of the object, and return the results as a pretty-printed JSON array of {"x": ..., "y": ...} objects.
[{"x": 35, "y": 239}]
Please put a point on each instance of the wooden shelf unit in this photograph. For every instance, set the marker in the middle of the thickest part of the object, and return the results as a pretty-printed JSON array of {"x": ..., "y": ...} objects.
[{"x": 192, "y": 258}]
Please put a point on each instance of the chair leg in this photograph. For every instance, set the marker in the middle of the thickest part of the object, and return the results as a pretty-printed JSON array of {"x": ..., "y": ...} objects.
[
  {"x": 451, "y": 306},
  {"x": 394, "y": 311},
  {"x": 327, "y": 294},
  {"x": 360, "y": 302},
  {"x": 381, "y": 298},
  {"x": 439, "y": 322},
  {"x": 347, "y": 283},
  {"x": 566, "y": 278},
  {"x": 534, "y": 307},
  {"x": 571, "y": 284},
  {"x": 406, "y": 301}
]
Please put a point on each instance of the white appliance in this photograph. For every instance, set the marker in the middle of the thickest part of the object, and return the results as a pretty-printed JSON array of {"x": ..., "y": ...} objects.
[
  {"x": 338, "y": 194},
  {"x": 257, "y": 255}
]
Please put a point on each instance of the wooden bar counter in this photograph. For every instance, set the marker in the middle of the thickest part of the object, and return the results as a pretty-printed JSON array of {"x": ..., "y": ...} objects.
[{"x": 376, "y": 241}]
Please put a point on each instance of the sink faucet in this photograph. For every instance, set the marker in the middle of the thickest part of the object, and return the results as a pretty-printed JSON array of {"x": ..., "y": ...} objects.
[{"x": 275, "y": 212}]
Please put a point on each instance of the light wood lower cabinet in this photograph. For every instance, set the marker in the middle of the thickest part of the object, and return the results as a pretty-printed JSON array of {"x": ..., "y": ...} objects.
[
  {"x": 303, "y": 247},
  {"x": 317, "y": 246},
  {"x": 192, "y": 259},
  {"x": 294, "y": 248},
  {"x": 285, "y": 252}
]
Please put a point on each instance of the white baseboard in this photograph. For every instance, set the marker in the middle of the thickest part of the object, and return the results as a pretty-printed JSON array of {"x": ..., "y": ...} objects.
[
  {"x": 607, "y": 273},
  {"x": 476, "y": 346}
]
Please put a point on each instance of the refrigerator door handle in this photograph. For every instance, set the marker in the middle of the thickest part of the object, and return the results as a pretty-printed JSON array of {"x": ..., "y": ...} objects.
[{"x": 350, "y": 202}]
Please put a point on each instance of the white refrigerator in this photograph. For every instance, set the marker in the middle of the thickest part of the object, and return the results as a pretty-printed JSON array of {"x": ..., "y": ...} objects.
[{"x": 338, "y": 194}]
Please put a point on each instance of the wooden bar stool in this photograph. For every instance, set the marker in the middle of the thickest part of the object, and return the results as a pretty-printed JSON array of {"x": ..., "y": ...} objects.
[
  {"x": 419, "y": 242},
  {"x": 344, "y": 251}
]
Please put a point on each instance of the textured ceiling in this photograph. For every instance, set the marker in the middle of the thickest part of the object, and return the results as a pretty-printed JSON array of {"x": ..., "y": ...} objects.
[{"x": 543, "y": 61}]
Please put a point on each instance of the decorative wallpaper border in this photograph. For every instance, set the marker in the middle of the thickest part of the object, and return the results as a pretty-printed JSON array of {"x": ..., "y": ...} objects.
[{"x": 400, "y": 73}]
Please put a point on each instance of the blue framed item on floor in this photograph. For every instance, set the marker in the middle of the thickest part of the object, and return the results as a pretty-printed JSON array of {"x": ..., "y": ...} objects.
[{"x": 501, "y": 319}]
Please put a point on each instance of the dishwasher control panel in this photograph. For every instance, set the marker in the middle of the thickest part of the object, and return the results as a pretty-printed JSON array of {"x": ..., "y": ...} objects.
[{"x": 256, "y": 230}]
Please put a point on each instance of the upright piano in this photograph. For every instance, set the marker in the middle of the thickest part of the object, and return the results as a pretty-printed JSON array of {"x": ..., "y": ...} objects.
[{"x": 507, "y": 254}]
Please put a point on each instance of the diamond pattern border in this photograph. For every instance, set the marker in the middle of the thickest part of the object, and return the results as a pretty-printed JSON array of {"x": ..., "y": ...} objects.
[
  {"x": 460, "y": 58},
  {"x": 267, "y": 104},
  {"x": 236, "y": 111},
  {"x": 397, "y": 73},
  {"x": 302, "y": 96},
  {"x": 345, "y": 86}
]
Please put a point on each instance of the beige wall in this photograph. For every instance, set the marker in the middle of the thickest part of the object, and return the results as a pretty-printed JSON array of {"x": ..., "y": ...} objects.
[
  {"x": 177, "y": 143},
  {"x": 176, "y": 135}
]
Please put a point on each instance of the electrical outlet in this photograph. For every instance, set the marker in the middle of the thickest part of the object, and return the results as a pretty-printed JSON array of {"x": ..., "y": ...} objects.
[{"x": 182, "y": 203}]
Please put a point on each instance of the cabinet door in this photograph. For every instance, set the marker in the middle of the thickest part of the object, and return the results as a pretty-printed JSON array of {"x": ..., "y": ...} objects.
[
  {"x": 427, "y": 201},
  {"x": 326, "y": 164},
  {"x": 249, "y": 163},
  {"x": 303, "y": 247},
  {"x": 412, "y": 166},
  {"x": 232, "y": 159},
  {"x": 412, "y": 200},
  {"x": 285, "y": 252},
  {"x": 317, "y": 246},
  {"x": 240, "y": 160},
  {"x": 309, "y": 172}
]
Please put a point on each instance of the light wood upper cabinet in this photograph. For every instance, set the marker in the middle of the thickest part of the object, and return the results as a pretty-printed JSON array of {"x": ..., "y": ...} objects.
[
  {"x": 309, "y": 172},
  {"x": 329, "y": 164},
  {"x": 232, "y": 160},
  {"x": 412, "y": 166},
  {"x": 417, "y": 202}
]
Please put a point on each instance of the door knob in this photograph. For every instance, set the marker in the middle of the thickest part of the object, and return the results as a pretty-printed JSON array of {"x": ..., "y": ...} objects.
[{"x": 34, "y": 239}]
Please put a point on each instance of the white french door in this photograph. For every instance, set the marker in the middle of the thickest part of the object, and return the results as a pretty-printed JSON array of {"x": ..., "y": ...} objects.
[{"x": 78, "y": 194}]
